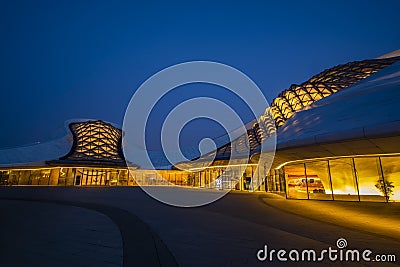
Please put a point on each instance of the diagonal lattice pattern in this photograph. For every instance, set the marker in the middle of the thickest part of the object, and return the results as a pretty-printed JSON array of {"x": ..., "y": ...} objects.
[
  {"x": 95, "y": 141},
  {"x": 300, "y": 96},
  {"x": 322, "y": 85}
]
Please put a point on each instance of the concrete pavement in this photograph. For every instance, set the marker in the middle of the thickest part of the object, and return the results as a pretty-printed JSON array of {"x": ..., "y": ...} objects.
[
  {"x": 46, "y": 234},
  {"x": 229, "y": 232}
]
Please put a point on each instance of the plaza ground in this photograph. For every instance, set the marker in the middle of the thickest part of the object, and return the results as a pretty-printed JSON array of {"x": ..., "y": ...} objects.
[{"x": 115, "y": 226}]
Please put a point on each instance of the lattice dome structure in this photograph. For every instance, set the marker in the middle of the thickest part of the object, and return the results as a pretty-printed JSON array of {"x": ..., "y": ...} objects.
[
  {"x": 300, "y": 96},
  {"x": 322, "y": 85},
  {"x": 95, "y": 141}
]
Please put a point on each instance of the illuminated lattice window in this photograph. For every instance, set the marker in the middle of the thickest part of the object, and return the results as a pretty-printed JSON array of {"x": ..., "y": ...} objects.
[
  {"x": 300, "y": 96},
  {"x": 322, "y": 85},
  {"x": 95, "y": 141}
]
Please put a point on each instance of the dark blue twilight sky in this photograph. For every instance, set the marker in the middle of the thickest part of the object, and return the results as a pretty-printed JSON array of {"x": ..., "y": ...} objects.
[{"x": 84, "y": 59}]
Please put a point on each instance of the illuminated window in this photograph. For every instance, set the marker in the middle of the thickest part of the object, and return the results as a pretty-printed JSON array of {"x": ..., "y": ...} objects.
[
  {"x": 318, "y": 180},
  {"x": 95, "y": 141},
  {"x": 391, "y": 175},
  {"x": 369, "y": 179},
  {"x": 297, "y": 97},
  {"x": 343, "y": 179},
  {"x": 296, "y": 182}
]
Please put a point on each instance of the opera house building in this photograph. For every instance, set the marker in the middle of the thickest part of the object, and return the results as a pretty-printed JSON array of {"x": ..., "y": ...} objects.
[{"x": 338, "y": 138}]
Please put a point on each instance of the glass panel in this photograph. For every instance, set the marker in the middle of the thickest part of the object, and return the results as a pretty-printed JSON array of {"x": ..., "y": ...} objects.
[
  {"x": 131, "y": 180},
  {"x": 282, "y": 183},
  {"x": 123, "y": 178},
  {"x": 343, "y": 180},
  {"x": 80, "y": 178},
  {"x": 4, "y": 178},
  {"x": 166, "y": 176},
  {"x": 226, "y": 180},
  {"x": 209, "y": 179},
  {"x": 113, "y": 178},
  {"x": 62, "y": 175},
  {"x": 391, "y": 175},
  {"x": 181, "y": 182},
  {"x": 296, "y": 181},
  {"x": 96, "y": 175},
  {"x": 141, "y": 177},
  {"x": 44, "y": 177},
  {"x": 319, "y": 184},
  {"x": 24, "y": 177},
  {"x": 35, "y": 177},
  {"x": 367, "y": 171},
  {"x": 270, "y": 181},
  {"x": 86, "y": 177},
  {"x": 13, "y": 177},
  {"x": 90, "y": 178},
  {"x": 70, "y": 176},
  {"x": 54, "y": 174},
  {"x": 247, "y": 178}
]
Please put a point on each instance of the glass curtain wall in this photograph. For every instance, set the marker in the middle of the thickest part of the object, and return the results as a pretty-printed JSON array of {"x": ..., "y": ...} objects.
[
  {"x": 344, "y": 182},
  {"x": 369, "y": 175},
  {"x": 275, "y": 181},
  {"x": 363, "y": 178},
  {"x": 391, "y": 178},
  {"x": 296, "y": 181},
  {"x": 319, "y": 180}
]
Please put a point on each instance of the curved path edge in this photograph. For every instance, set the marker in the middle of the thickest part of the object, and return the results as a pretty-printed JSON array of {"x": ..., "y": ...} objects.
[{"x": 141, "y": 245}]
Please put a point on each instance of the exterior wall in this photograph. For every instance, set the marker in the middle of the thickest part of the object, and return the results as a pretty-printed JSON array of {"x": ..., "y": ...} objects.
[
  {"x": 360, "y": 178},
  {"x": 54, "y": 174},
  {"x": 275, "y": 182},
  {"x": 66, "y": 176},
  {"x": 212, "y": 177}
]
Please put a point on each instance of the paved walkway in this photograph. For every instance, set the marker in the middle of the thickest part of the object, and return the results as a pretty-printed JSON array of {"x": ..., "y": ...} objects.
[
  {"x": 46, "y": 232},
  {"x": 228, "y": 232},
  {"x": 381, "y": 219},
  {"x": 43, "y": 234}
]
